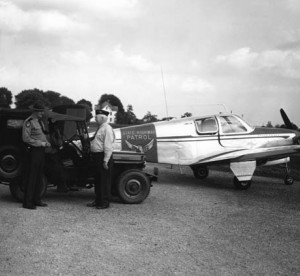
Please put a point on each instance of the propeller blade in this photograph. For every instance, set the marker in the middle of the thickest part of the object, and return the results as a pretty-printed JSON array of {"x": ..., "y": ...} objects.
[{"x": 286, "y": 119}]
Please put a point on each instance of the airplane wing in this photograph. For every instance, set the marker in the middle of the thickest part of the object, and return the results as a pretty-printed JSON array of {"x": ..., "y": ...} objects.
[{"x": 240, "y": 155}]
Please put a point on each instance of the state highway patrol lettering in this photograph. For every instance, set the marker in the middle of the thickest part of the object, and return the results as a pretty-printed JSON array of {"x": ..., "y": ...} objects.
[{"x": 141, "y": 139}]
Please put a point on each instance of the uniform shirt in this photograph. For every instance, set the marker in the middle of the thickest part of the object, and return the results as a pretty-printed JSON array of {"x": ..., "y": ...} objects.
[
  {"x": 33, "y": 133},
  {"x": 103, "y": 141}
]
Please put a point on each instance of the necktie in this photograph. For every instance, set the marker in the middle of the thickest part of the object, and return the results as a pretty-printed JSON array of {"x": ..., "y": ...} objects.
[{"x": 42, "y": 126}]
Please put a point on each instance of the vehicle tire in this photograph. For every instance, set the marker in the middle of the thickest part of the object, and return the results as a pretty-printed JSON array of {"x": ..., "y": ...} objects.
[
  {"x": 11, "y": 162},
  {"x": 200, "y": 172},
  {"x": 288, "y": 180},
  {"x": 17, "y": 187},
  {"x": 241, "y": 185},
  {"x": 133, "y": 186}
]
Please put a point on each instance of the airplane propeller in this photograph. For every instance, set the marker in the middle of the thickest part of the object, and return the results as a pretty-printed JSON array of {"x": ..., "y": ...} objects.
[{"x": 286, "y": 120}]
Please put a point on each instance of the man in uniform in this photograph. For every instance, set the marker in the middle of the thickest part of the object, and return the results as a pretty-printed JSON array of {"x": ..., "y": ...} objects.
[
  {"x": 101, "y": 150},
  {"x": 34, "y": 136}
]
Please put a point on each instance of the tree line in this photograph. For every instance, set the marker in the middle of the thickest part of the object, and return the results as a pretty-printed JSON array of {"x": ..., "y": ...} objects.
[
  {"x": 269, "y": 124},
  {"x": 26, "y": 98}
]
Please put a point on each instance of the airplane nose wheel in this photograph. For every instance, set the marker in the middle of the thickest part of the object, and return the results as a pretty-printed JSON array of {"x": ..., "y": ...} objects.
[{"x": 288, "y": 180}]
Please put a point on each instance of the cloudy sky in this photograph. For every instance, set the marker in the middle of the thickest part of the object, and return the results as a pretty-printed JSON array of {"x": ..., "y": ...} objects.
[{"x": 240, "y": 53}]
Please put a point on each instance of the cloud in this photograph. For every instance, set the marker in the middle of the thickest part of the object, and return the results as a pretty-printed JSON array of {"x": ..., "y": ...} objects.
[
  {"x": 290, "y": 45},
  {"x": 283, "y": 62},
  {"x": 8, "y": 12},
  {"x": 293, "y": 5},
  {"x": 195, "y": 84},
  {"x": 77, "y": 57},
  {"x": 119, "y": 9},
  {"x": 137, "y": 62},
  {"x": 240, "y": 58},
  {"x": 102, "y": 8},
  {"x": 13, "y": 19}
]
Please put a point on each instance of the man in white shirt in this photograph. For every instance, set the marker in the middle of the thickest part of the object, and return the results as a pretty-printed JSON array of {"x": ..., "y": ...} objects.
[{"x": 101, "y": 151}]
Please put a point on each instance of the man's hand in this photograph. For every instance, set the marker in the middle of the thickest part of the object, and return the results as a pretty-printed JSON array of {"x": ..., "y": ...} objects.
[
  {"x": 47, "y": 145},
  {"x": 105, "y": 166}
]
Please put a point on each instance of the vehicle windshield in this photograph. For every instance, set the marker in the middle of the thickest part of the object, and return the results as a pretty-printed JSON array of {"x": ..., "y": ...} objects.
[{"x": 232, "y": 124}]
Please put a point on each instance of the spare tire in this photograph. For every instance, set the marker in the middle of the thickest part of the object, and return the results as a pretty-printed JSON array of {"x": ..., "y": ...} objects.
[{"x": 11, "y": 162}]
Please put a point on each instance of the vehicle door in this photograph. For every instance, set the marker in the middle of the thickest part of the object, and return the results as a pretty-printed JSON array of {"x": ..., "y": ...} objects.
[
  {"x": 208, "y": 136},
  {"x": 234, "y": 132}
]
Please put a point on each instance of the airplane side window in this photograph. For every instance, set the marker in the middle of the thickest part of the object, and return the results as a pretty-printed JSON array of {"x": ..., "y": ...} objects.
[
  {"x": 206, "y": 125},
  {"x": 230, "y": 124}
]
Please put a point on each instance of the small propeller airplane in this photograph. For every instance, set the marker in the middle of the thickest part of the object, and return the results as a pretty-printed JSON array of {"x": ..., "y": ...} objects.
[{"x": 201, "y": 141}]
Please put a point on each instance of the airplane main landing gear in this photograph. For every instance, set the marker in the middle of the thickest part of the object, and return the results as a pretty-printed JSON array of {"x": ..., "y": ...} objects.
[
  {"x": 200, "y": 172},
  {"x": 241, "y": 185}
]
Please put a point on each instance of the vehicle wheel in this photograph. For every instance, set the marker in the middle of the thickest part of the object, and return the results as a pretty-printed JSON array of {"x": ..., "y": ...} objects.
[
  {"x": 200, "y": 172},
  {"x": 11, "y": 164},
  {"x": 288, "y": 180},
  {"x": 133, "y": 186},
  {"x": 17, "y": 187},
  {"x": 241, "y": 185}
]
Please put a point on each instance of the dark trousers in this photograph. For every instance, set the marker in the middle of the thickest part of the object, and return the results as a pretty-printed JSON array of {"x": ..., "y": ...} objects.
[
  {"x": 35, "y": 171},
  {"x": 102, "y": 180}
]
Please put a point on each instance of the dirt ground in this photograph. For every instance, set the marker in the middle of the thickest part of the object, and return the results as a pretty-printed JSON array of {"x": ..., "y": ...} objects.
[{"x": 184, "y": 227}]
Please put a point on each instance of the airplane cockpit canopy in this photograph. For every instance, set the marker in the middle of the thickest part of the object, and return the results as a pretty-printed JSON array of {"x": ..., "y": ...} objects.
[
  {"x": 206, "y": 125},
  {"x": 233, "y": 124},
  {"x": 229, "y": 124}
]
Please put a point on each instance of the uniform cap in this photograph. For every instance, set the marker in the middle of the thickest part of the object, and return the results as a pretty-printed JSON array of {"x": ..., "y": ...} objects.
[
  {"x": 37, "y": 106},
  {"x": 101, "y": 111}
]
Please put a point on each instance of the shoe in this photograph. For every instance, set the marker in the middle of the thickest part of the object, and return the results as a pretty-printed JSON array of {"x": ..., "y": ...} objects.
[
  {"x": 62, "y": 190},
  {"x": 102, "y": 206},
  {"x": 41, "y": 204},
  {"x": 32, "y": 207},
  {"x": 91, "y": 204},
  {"x": 74, "y": 189}
]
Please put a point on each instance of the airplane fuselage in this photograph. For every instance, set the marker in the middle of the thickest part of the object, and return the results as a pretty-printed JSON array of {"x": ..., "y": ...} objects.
[{"x": 207, "y": 139}]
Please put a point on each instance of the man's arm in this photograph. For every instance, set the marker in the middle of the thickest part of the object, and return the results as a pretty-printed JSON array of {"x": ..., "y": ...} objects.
[{"x": 108, "y": 145}]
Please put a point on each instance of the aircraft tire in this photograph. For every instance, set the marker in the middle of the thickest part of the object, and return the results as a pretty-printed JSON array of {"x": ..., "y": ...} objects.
[
  {"x": 241, "y": 185},
  {"x": 288, "y": 180},
  {"x": 200, "y": 172},
  {"x": 133, "y": 186},
  {"x": 17, "y": 187},
  {"x": 11, "y": 163}
]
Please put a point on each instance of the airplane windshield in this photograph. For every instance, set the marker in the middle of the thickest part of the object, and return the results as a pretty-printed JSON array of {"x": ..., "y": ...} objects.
[{"x": 230, "y": 124}]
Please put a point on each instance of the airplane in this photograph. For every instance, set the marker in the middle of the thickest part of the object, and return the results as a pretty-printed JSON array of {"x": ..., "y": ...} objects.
[{"x": 201, "y": 141}]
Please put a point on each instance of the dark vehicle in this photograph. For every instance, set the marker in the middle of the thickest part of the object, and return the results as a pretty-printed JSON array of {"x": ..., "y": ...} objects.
[{"x": 69, "y": 160}]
